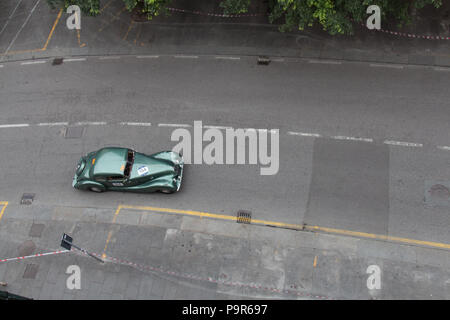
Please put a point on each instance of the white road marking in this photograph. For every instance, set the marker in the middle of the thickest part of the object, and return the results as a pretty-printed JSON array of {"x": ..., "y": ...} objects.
[
  {"x": 403, "y": 144},
  {"x": 185, "y": 57},
  {"x": 9, "y": 18},
  {"x": 176, "y": 125},
  {"x": 34, "y": 62},
  {"x": 324, "y": 61},
  {"x": 447, "y": 148},
  {"x": 352, "y": 138},
  {"x": 441, "y": 69},
  {"x": 109, "y": 58},
  {"x": 228, "y": 58},
  {"x": 381, "y": 65},
  {"x": 23, "y": 25},
  {"x": 304, "y": 134},
  {"x": 1, "y": 66},
  {"x": 74, "y": 59},
  {"x": 147, "y": 57},
  {"x": 17, "y": 125},
  {"x": 50, "y": 124},
  {"x": 142, "y": 124},
  {"x": 278, "y": 60},
  {"x": 217, "y": 127},
  {"x": 89, "y": 123}
]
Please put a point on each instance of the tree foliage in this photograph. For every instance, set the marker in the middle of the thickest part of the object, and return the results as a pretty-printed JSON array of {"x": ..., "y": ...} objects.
[{"x": 334, "y": 16}]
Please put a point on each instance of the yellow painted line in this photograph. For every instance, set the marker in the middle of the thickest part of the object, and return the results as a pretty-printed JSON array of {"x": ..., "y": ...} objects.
[
  {"x": 110, "y": 231},
  {"x": 106, "y": 5},
  {"x": 53, "y": 29},
  {"x": 290, "y": 226},
  {"x": 315, "y": 262},
  {"x": 4, "y": 204}
]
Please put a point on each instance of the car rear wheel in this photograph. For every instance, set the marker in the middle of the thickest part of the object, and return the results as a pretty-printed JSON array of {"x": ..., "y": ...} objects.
[{"x": 96, "y": 189}]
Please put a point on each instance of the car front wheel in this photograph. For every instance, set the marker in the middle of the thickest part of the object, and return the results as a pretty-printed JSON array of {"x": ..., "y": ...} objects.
[{"x": 96, "y": 189}]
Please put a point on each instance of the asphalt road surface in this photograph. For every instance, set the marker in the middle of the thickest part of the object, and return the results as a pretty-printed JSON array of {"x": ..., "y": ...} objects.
[{"x": 360, "y": 145}]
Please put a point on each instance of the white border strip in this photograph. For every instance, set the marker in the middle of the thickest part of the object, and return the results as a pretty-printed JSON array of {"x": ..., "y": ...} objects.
[
  {"x": 304, "y": 134},
  {"x": 227, "y": 58},
  {"x": 33, "y": 62},
  {"x": 324, "y": 61},
  {"x": 139, "y": 124},
  {"x": 88, "y": 123},
  {"x": 446, "y": 148},
  {"x": 18, "y": 125},
  {"x": 147, "y": 57},
  {"x": 174, "y": 125},
  {"x": 74, "y": 59},
  {"x": 352, "y": 138},
  {"x": 403, "y": 144},
  {"x": 50, "y": 124},
  {"x": 185, "y": 57}
]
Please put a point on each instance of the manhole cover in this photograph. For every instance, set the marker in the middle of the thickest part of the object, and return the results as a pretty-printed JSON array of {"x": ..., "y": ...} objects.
[
  {"x": 439, "y": 191},
  {"x": 244, "y": 216},
  {"x": 57, "y": 61},
  {"x": 73, "y": 132},
  {"x": 30, "y": 271},
  {"x": 26, "y": 248},
  {"x": 27, "y": 198},
  {"x": 36, "y": 230}
]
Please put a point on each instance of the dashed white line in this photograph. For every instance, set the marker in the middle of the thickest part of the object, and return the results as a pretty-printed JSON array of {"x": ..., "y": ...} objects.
[
  {"x": 17, "y": 125},
  {"x": 352, "y": 138},
  {"x": 175, "y": 125},
  {"x": 34, "y": 62},
  {"x": 441, "y": 69},
  {"x": 89, "y": 123},
  {"x": 403, "y": 144},
  {"x": 325, "y": 61},
  {"x": 381, "y": 65},
  {"x": 304, "y": 134},
  {"x": 109, "y": 58},
  {"x": 446, "y": 148},
  {"x": 74, "y": 59},
  {"x": 50, "y": 124},
  {"x": 139, "y": 124},
  {"x": 1, "y": 66},
  {"x": 217, "y": 127},
  {"x": 228, "y": 58},
  {"x": 185, "y": 57},
  {"x": 147, "y": 57}
]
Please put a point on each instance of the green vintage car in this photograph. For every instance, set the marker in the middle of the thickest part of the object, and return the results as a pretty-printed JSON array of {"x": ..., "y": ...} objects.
[{"x": 123, "y": 169}]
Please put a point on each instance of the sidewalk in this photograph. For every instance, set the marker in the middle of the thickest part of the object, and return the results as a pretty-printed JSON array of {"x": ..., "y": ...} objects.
[
  {"x": 114, "y": 33},
  {"x": 171, "y": 256}
]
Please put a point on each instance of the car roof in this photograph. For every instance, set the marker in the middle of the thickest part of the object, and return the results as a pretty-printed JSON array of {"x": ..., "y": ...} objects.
[{"x": 110, "y": 161}]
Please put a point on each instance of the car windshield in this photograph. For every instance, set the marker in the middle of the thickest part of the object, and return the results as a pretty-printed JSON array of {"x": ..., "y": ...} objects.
[{"x": 129, "y": 164}]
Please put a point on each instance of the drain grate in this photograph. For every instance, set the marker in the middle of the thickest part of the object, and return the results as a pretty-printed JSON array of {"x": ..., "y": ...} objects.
[
  {"x": 244, "y": 216},
  {"x": 31, "y": 271},
  {"x": 57, "y": 61},
  {"x": 27, "y": 198},
  {"x": 263, "y": 60},
  {"x": 73, "y": 132}
]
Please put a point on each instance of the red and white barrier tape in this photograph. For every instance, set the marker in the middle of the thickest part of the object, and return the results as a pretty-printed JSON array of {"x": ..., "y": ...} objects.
[
  {"x": 401, "y": 34},
  {"x": 212, "y": 280},
  {"x": 34, "y": 255}
]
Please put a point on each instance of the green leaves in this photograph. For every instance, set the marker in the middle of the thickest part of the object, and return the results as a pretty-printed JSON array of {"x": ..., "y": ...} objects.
[{"x": 334, "y": 16}]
